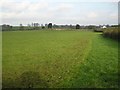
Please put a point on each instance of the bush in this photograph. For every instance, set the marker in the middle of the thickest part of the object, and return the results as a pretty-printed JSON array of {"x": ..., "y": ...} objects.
[
  {"x": 98, "y": 30},
  {"x": 43, "y": 27},
  {"x": 113, "y": 33}
]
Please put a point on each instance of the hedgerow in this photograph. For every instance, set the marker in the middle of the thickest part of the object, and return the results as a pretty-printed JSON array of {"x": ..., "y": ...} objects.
[{"x": 113, "y": 33}]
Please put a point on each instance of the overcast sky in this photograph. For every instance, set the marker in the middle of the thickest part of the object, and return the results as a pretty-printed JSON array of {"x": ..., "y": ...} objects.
[{"x": 82, "y": 12}]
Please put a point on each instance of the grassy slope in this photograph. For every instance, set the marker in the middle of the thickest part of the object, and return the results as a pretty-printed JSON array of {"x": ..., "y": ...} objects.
[{"x": 59, "y": 58}]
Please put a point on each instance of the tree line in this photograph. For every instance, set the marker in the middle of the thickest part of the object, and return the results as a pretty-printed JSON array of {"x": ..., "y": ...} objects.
[{"x": 37, "y": 26}]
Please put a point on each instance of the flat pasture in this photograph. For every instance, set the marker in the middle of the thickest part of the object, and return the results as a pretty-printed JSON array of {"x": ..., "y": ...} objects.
[{"x": 58, "y": 59}]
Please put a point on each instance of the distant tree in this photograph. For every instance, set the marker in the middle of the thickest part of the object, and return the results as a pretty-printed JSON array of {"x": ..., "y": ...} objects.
[
  {"x": 20, "y": 24},
  {"x": 28, "y": 25},
  {"x": 71, "y": 26},
  {"x": 115, "y": 25},
  {"x": 45, "y": 24},
  {"x": 32, "y": 24},
  {"x": 11, "y": 27},
  {"x": 77, "y": 26},
  {"x": 92, "y": 26},
  {"x": 55, "y": 26},
  {"x": 35, "y": 25},
  {"x": 21, "y": 27},
  {"x": 43, "y": 27},
  {"x": 50, "y": 25},
  {"x": 107, "y": 25},
  {"x": 6, "y": 27}
]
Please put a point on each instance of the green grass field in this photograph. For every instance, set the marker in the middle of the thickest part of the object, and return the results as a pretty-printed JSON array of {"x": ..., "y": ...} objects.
[{"x": 56, "y": 59}]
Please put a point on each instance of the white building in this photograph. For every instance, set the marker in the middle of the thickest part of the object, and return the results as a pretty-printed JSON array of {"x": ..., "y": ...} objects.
[{"x": 103, "y": 27}]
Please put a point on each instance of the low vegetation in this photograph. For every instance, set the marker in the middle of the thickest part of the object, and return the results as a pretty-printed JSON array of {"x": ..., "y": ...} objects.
[
  {"x": 113, "y": 33},
  {"x": 56, "y": 59}
]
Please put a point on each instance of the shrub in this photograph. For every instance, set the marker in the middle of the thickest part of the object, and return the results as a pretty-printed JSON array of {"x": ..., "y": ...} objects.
[
  {"x": 98, "y": 30},
  {"x": 43, "y": 27},
  {"x": 113, "y": 33}
]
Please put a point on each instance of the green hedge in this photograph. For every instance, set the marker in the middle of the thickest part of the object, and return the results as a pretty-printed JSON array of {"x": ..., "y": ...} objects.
[{"x": 112, "y": 33}]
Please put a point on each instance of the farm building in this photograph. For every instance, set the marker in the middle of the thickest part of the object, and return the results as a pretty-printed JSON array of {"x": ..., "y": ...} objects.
[{"x": 103, "y": 27}]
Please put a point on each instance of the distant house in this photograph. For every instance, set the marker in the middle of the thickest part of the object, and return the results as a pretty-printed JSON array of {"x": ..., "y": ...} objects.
[
  {"x": 100, "y": 28},
  {"x": 103, "y": 27}
]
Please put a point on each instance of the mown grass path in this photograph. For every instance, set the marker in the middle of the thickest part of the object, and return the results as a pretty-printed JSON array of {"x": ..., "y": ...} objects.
[
  {"x": 58, "y": 59},
  {"x": 100, "y": 69}
]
